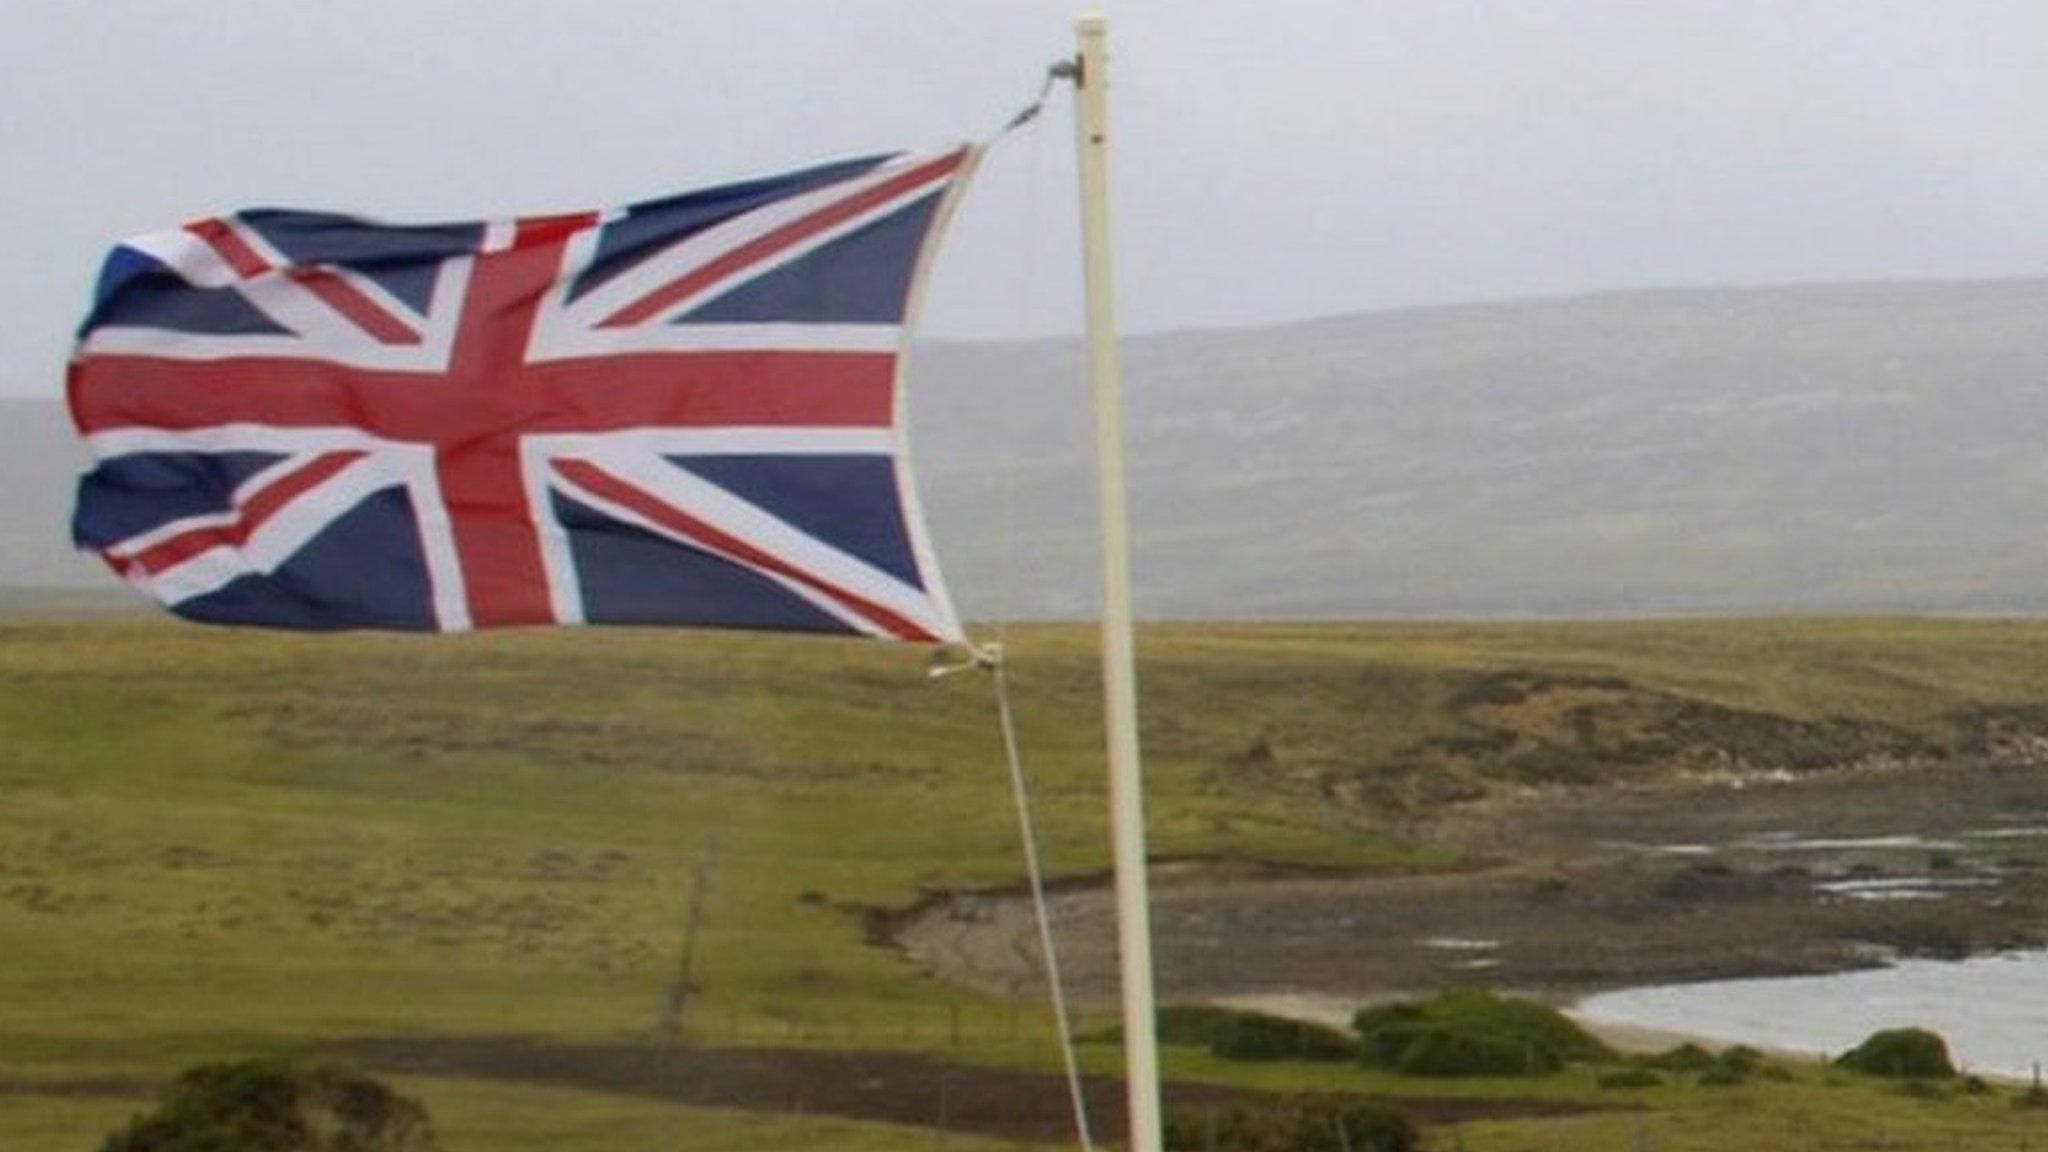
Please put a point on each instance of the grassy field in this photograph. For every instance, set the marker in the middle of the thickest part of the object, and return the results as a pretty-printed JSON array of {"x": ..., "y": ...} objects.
[{"x": 216, "y": 843}]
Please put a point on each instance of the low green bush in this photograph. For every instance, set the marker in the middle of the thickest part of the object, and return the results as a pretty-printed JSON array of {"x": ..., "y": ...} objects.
[
  {"x": 1684, "y": 1058},
  {"x": 1742, "y": 1058},
  {"x": 275, "y": 1106},
  {"x": 1443, "y": 1052},
  {"x": 1235, "y": 1034},
  {"x": 1190, "y": 1024},
  {"x": 1901, "y": 1053},
  {"x": 1301, "y": 1124},
  {"x": 1251, "y": 1036},
  {"x": 1721, "y": 1076},
  {"x": 1629, "y": 1078},
  {"x": 1472, "y": 1032}
]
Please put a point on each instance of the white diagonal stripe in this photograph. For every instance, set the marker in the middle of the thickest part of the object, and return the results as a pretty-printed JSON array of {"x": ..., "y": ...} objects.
[
  {"x": 748, "y": 273},
  {"x": 244, "y": 492},
  {"x": 789, "y": 545},
  {"x": 695, "y": 251},
  {"x": 270, "y": 545},
  {"x": 829, "y": 605}
]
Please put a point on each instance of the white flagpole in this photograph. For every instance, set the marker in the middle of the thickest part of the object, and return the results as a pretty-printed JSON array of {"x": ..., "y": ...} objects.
[{"x": 1119, "y": 675}]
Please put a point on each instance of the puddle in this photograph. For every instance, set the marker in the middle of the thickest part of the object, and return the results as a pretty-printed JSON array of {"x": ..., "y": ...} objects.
[
  {"x": 1792, "y": 842},
  {"x": 1904, "y": 887},
  {"x": 2034, "y": 832},
  {"x": 1992, "y": 1010}
]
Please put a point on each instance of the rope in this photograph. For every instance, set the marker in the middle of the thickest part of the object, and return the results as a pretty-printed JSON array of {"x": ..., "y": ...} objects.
[
  {"x": 990, "y": 658},
  {"x": 1028, "y": 833},
  {"x": 1023, "y": 294}
]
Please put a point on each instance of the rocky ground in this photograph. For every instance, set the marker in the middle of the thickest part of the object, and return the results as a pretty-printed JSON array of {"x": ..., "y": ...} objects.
[{"x": 1575, "y": 892}]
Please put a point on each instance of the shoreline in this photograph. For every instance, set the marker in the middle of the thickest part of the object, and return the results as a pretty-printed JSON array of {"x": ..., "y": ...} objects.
[
  {"x": 1599, "y": 893},
  {"x": 1335, "y": 1010}
]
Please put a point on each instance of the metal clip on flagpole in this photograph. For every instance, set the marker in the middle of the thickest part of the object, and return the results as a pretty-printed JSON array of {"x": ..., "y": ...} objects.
[{"x": 1089, "y": 72}]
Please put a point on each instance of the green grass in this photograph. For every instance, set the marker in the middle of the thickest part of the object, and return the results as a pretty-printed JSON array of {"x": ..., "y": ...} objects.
[{"x": 215, "y": 843}]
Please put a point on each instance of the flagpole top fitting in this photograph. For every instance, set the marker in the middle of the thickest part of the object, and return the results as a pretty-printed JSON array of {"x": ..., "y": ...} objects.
[{"x": 1058, "y": 70}]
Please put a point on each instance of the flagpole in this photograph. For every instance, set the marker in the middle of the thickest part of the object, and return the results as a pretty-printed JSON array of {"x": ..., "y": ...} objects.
[{"x": 1119, "y": 674}]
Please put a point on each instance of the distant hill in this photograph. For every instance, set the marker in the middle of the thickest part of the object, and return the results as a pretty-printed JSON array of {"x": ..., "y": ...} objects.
[
  {"x": 1838, "y": 448},
  {"x": 1868, "y": 447},
  {"x": 39, "y": 462}
]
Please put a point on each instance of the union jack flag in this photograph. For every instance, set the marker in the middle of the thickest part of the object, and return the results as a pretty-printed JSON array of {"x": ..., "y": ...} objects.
[{"x": 683, "y": 412}]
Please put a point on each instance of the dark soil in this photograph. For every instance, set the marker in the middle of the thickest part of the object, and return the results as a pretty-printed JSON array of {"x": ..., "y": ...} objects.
[
  {"x": 886, "y": 1086},
  {"x": 85, "y": 1086}
]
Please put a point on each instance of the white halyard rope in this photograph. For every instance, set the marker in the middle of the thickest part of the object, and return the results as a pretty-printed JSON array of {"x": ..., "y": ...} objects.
[{"x": 1027, "y": 832}]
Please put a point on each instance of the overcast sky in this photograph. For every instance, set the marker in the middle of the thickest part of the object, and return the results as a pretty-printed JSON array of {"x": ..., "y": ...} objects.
[{"x": 1274, "y": 161}]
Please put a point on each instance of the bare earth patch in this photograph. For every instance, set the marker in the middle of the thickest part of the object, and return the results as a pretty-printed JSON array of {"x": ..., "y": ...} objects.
[{"x": 883, "y": 1086}]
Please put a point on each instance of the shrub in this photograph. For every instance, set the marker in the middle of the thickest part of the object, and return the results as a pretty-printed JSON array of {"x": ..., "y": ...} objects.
[
  {"x": 1684, "y": 1058},
  {"x": 1191, "y": 1024},
  {"x": 1251, "y": 1036},
  {"x": 1472, "y": 1032},
  {"x": 1302, "y": 1124},
  {"x": 1630, "y": 1078},
  {"x": 1442, "y": 1052},
  {"x": 1742, "y": 1058},
  {"x": 1239, "y": 1035},
  {"x": 274, "y": 1106},
  {"x": 1721, "y": 1076},
  {"x": 1901, "y": 1053}
]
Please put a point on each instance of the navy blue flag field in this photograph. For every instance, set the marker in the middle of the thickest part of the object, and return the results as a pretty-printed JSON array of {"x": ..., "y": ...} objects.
[{"x": 684, "y": 412}]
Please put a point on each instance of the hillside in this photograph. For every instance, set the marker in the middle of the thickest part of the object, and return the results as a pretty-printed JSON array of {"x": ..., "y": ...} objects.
[
  {"x": 221, "y": 842},
  {"x": 39, "y": 462},
  {"x": 1834, "y": 448},
  {"x": 1847, "y": 447}
]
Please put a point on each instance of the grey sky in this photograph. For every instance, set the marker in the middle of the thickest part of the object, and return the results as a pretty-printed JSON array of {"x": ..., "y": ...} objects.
[{"x": 1275, "y": 160}]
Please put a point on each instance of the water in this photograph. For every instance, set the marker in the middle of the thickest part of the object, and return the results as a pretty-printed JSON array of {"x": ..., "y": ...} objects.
[
  {"x": 1904, "y": 887},
  {"x": 1459, "y": 944},
  {"x": 1793, "y": 842},
  {"x": 1992, "y": 1010}
]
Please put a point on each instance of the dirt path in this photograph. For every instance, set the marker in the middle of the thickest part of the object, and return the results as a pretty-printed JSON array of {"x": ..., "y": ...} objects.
[{"x": 885, "y": 1086}]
